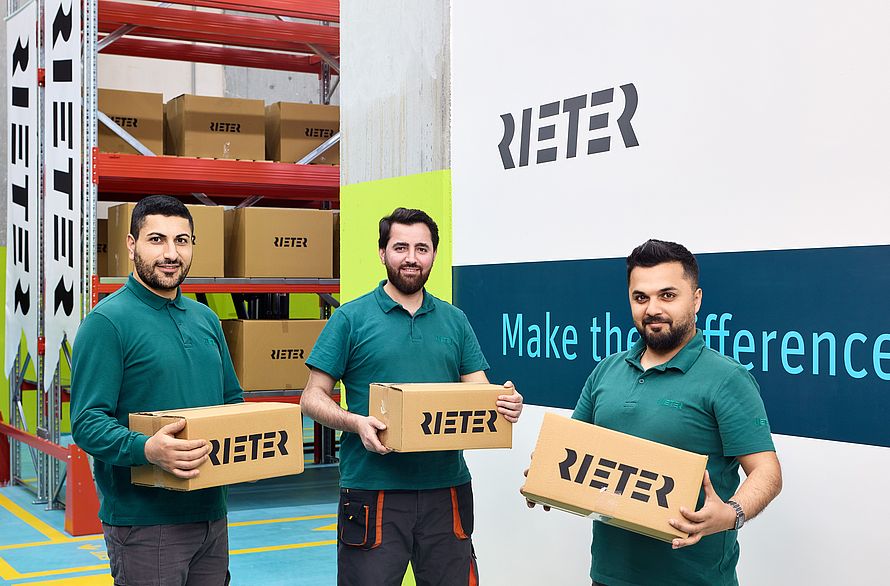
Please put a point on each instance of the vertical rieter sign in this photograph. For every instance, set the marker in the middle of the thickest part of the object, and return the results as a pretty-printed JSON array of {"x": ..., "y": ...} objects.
[
  {"x": 62, "y": 155},
  {"x": 22, "y": 255}
]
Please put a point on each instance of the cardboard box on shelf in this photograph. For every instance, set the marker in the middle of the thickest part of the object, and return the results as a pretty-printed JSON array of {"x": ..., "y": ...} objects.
[
  {"x": 336, "y": 250},
  {"x": 139, "y": 113},
  {"x": 426, "y": 417},
  {"x": 270, "y": 355},
  {"x": 275, "y": 242},
  {"x": 102, "y": 248},
  {"x": 207, "y": 254},
  {"x": 220, "y": 128},
  {"x": 616, "y": 478},
  {"x": 248, "y": 441},
  {"x": 294, "y": 130}
]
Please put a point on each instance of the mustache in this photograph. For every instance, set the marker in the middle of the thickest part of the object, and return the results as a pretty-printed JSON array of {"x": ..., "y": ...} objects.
[
  {"x": 175, "y": 263},
  {"x": 656, "y": 320},
  {"x": 410, "y": 265}
]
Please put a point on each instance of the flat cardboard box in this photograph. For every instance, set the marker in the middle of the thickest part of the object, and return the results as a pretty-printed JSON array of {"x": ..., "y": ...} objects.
[
  {"x": 220, "y": 128},
  {"x": 270, "y": 355},
  {"x": 207, "y": 254},
  {"x": 613, "y": 477},
  {"x": 295, "y": 130},
  {"x": 102, "y": 248},
  {"x": 427, "y": 417},
  {"x": 249, "y": 441},
  {"x": 276, "y": 242},
  {"x": 139, "y": 113}
]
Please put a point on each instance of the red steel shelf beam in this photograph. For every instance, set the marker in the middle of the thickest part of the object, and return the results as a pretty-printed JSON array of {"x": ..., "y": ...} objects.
[
  {"x": 226, "y": 29},
  {"x": 328, "y": 10},
  {"x": 238, "y": 288},
  {"x": 185, "y": 175},
  {"x": 176, "y": 51}
]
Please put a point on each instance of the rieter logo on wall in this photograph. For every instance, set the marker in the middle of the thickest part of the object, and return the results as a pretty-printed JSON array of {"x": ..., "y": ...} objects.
[{"x": 549, "y": 147}]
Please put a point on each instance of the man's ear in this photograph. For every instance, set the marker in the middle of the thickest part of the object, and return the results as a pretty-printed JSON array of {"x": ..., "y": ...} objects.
[{"x": 131, "y": 246}]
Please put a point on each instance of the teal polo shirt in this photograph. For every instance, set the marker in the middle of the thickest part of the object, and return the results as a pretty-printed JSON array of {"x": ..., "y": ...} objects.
[
  {"x": 700, "y": 401},
  {"x": 374, "y": 339},
  {"x": 137, "y": 351}
]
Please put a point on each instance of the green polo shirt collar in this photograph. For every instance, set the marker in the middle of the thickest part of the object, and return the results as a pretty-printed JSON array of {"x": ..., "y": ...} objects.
[
  {"x": 387, "y": 303},
  {"x": 682, "y": 361},
  {"x": 151, "y": 299}
]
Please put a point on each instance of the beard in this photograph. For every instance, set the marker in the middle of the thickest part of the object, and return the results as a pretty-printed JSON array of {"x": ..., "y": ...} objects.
[
  {"x": 671, "y": 336},
  {"x": 407, "y": 285},
  {"x": 157, "y": 280}
]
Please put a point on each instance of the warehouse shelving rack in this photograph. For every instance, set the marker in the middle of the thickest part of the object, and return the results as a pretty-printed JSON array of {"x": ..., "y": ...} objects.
[{"x": 262, "y": 34}]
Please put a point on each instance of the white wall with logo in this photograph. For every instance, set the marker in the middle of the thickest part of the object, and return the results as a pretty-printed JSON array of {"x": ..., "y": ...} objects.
[{"x": 761, "y": 126}]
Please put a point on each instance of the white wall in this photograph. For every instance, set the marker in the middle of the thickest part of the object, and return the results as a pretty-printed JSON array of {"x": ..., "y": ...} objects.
[{"x": 761, "y": 126}]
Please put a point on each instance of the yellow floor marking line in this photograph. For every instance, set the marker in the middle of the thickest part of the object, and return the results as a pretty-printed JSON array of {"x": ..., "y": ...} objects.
[
  {"x": 40, "y": 543},
  {"x": 44, "y": 528},
  {"x": 281, "y": 547},
  {"x": 94, "y": 580},
  {"x": 7, "y": 572},
  {"x": 286, "y": 520},
  {"x": 331, "y": 527}
]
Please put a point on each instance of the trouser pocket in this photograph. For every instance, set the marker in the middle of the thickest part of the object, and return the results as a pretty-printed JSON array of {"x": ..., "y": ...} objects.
[{"x": 360, "y": 518}]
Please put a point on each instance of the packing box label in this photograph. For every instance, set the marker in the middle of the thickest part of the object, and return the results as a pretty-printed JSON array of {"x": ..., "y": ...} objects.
[
  {"x": 616, "y": 478},
  {"x": 207, "y": 254},
  {"x": 426, "y": 417},
  {"x": 139, "y": 113},
  {"x": 275, "y": 242},
  {"x": 271, "y": 354},
  {"x": 248, "y": 441},
  {"x": 221, "y": 128},
  {"x": 294, "y": 130}
]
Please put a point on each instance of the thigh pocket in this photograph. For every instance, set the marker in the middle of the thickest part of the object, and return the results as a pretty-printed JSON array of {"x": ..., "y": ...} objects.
[
  {"x": 360, "y": 518},
  {"x": 462, "y": 510}
]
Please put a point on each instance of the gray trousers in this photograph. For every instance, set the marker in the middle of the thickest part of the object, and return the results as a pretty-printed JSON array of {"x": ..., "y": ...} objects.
[{"x": 187, "y": 554}]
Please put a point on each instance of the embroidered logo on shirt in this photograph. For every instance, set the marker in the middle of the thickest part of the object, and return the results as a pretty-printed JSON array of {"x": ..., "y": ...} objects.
[
  {"x": 443, "y": 339},
  {"x": 760, "y": 421},
  {"x": 670, "y": 403}
]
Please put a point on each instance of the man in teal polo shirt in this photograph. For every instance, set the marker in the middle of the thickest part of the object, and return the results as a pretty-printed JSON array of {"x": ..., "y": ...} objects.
[
  {"x": 146, "y": 348},
  {"x": 673, "y": 389},
  {"x": 399, "y": 507}
]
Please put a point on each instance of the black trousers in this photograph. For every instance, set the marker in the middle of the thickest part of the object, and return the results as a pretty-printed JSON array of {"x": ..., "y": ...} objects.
[{"x": 381, "y": 531}]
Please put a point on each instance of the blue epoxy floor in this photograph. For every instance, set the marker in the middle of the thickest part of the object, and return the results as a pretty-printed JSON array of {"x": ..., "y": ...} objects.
[{"x": 281, "y": 531}]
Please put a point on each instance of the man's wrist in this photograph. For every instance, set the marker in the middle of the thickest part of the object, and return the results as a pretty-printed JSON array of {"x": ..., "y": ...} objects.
[{"x": 738, "y": 515}]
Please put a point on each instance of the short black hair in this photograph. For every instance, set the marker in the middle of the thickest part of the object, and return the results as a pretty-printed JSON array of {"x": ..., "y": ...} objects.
[
  {"x": 158, "y": 205},
  {"x": 655, "y": 252},
  {"x": 408, "y": 217}
]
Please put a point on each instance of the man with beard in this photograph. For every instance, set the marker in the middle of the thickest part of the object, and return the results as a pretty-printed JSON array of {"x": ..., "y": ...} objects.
[
  {"x": 399, "y": 507},
  {"x": 146, "y": 348},
  {"x": 671, "y": 388}
]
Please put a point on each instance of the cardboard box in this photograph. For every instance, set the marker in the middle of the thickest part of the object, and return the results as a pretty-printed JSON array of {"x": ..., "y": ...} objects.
[
  {"x": 249, "y": 441},
  {"x": 207, "y": 253},
  {"x": 613, "y": 477},
  {"x": 270, "y": 355},
  {"x": 275, "y": 242},
  {"x": 427, "y": 417},
  {"x": 139, "y": 113},
  {"x": 102, "y": 248},
  {"x": 295, "y": 130},
  {"x": 336, "y": 250},
  {"x": 220, "y": 128}
]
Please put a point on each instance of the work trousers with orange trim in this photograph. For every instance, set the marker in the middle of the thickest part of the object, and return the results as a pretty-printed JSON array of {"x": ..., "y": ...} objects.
[{"x": 379, "y": 532}]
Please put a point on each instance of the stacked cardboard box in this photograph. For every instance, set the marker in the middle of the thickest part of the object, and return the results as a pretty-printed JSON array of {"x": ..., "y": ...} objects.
[
  {"x": 294, "y": 130},
  {"x": 139, "y": 113},
  {"x": 222, "y": 128}
]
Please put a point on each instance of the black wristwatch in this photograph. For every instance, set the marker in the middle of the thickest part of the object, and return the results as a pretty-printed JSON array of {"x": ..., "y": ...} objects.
[{"x": 739, "y": 514}]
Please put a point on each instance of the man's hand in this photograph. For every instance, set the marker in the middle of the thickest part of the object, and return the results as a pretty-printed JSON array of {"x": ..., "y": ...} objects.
[
  {"x": 367, "y": 428},
  {"x": 510, "y": 406},
  {"x": 178, "y": 457},
  {"x": 529, "y": 503},
  {"x": 714, "y": 516}
]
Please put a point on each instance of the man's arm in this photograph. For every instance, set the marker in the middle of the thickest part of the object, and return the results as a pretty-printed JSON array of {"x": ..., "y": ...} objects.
[
  {"x": 510, "y": 406},
  {"x": 762, "y": 485},
  {"x": 317, "y": 403}
]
